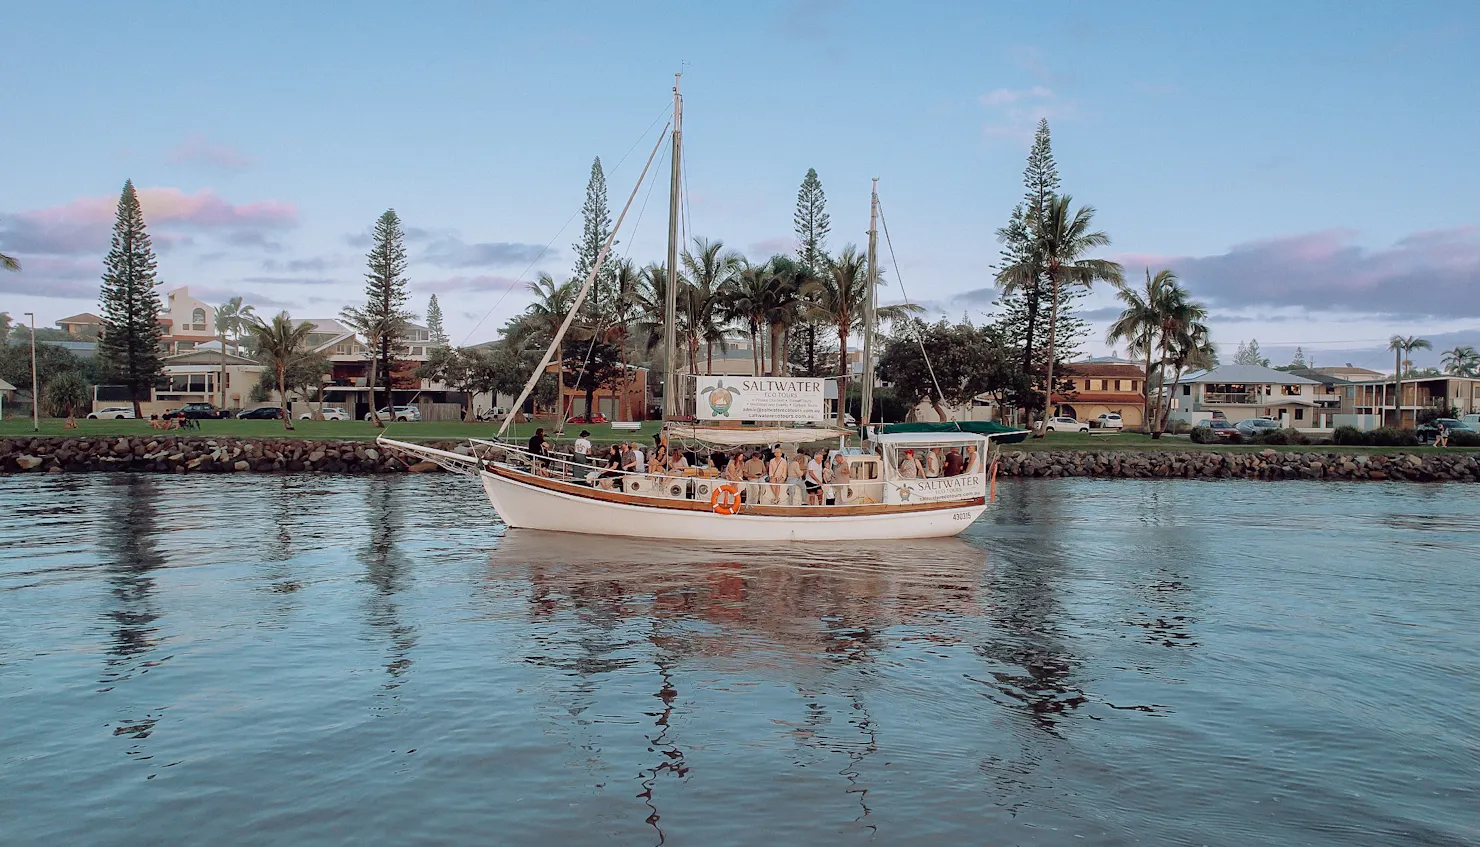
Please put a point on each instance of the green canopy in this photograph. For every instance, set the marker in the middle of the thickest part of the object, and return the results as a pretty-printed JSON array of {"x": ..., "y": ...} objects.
[{"x": 1000, "y": 432}]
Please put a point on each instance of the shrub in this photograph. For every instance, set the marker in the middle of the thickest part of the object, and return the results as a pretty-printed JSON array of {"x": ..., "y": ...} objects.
[
  {"x": 1464, "y": 439},
  {"x": 1273, "y": 436},
  {"x": 1391, "y": 436},
  {"x": 1295, "y": 436},
  {"x": 1351, "y": 436},
  {"x": 1203, "y": 435},
  {"x": 1181, "y": 427}
]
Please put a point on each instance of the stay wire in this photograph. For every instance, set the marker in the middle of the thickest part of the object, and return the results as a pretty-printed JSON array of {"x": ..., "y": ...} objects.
[{"x": 919, "y": 336}]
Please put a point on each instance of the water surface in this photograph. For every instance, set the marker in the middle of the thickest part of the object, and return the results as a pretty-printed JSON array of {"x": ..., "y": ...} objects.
[{"x": 318, "y": 660}]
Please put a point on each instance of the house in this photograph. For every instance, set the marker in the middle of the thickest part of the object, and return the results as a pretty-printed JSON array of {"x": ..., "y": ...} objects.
[
  {"x": 623, "y": 403},
  {"x": 84, "y": 326},
  {"x": 7, "y": 395},
  {"x": 1330, "y": 393},
  {"x": 194, "y": 376},
  {"x": 1348, "y": 372},
  {"x": 185, "y": 322},
  {"x": 347, "y": 384},
  {"x": 1400, "y": 403},
  {"x": 1107, "y": 385},
  {"x": 1240, "y": 392}
]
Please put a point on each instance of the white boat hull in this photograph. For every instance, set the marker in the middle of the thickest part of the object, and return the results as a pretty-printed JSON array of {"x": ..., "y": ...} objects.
[{"x": 525, "y": 506}]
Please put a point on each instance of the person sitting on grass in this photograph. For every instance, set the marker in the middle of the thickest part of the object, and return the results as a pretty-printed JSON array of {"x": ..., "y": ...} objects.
[{"x": 1441, "y": 438}]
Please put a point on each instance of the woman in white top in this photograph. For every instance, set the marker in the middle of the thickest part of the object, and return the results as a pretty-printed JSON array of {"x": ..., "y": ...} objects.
[
  {"x": 932, "y": 462},
  {"x": 973, "y": 460},
  {"x": 814, "y": 480}
]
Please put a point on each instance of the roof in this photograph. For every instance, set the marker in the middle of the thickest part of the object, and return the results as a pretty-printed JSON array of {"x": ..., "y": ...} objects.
[
  {"x": 5, "y": 386},
  {"x": 1320, "y": 376},
  {"x": 1245, "y": 374},
  {"x": 81, "y": 318},
  {"x": 207, "y": 357},
  {"x": 1103, "y": 369}
]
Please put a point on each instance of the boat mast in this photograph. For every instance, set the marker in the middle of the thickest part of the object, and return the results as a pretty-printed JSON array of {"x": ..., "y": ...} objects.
[
  {"x": 671, "y": 405},
  {"x": 870, "y": 310}
]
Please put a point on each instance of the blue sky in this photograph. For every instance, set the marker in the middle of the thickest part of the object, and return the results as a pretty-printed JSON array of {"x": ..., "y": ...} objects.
[{"x": 1307, "y": 167}]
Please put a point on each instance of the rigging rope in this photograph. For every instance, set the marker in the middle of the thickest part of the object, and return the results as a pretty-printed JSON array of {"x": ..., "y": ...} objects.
[{"x": 919, "y": 336}]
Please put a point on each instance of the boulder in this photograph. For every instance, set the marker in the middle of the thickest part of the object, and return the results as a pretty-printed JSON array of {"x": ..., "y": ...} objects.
[
  {"x": 424, "y": 467},
  {"x": 28, "y": 463}
]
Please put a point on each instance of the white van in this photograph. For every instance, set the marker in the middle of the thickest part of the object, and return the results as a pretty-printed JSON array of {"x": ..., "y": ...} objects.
[{"x": 1472, "y": 421}]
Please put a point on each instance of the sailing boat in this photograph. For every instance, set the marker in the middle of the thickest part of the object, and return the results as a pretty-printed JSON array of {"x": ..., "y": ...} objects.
[{"x": 899, "y": 489}]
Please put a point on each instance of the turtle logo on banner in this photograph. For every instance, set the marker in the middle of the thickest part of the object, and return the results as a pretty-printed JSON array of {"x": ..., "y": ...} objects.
[{"x": 720, "y": 398}]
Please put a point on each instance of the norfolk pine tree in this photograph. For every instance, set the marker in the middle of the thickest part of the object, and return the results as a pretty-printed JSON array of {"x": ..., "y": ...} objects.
[
  {"x": 812, "y": 227},
  {"x": 383, "y": 318},
  {"x": 129, "y": 347},
  {"x": 434, "y": 322},
  {"x": 596, "y": 227}
]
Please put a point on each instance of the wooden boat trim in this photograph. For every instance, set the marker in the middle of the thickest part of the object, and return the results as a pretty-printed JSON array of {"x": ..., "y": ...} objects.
[{"x": 671, "y": 504}]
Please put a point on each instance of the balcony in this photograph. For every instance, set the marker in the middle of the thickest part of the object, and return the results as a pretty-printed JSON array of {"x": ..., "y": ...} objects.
[{"x": 1237, "y": 398}]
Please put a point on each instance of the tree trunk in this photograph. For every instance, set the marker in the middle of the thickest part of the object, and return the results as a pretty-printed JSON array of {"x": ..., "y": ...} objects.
[
  {"x": 1168, "y": 412},
  {"x": 1398, "y": 387},
  {"x": 811, "y": 348},
  {"x": 374, "y": 415},
  {"x": 940, "y": 410},
  {"x": 776, "y": 357},
  {"x": 1053, "y": 315},
  {"x": 1146, "y": 390},
  {"x": 282, "y": 371},
  {"x": 221, "y": 381},
  {"x": 1032, "y": 297},
  {"x": 755, "y": 365},
  {"x": 709, "y": 356}
]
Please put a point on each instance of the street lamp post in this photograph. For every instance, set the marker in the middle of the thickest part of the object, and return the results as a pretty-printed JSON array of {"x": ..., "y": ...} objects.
[{"x": 35, "y": 386}]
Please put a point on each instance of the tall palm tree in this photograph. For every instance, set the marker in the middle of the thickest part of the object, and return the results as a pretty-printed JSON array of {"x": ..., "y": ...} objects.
[
  {"x": 1189, "y": 347},
  {"x": 839, "y": 296},
  {"x": 9, "y": 263},
  {"x": 1061, "y": 238},
  {"x": 1462, "y": 360},
  {"x": 710, "y": 269},
  {"x": 280, "y": 345},
  {"x": 1138, "y": 324},
  {"x": 1401, "y": 347},
  {"x": 1178, "y": 321},
  {"x": 784, "y": 303},
  {"x": 745, "y": 303},
  {"x": 542, "y": 319},
  {"x": 232, "y": 317},
  {"x": 625, "y": 280}
]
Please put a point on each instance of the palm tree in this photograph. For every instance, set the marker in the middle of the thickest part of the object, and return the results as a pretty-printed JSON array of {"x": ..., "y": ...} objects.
[
  {"x": 1462, "y": 360},
  {"x": 231, "y": 318},
  {"x": 280, "y": 344},
  {"x": 1138, "y": 324},
  {"x": 626, "y": 279},
  {"x": 1188, "y": 347},
  {"x": 839, "y": 296},
  {"x": 745, "y": 303},
  {"x": 1401, "y": 347},
  {"x": 543, "y": 317},
  {"x": 1178, "y": 321},
  {"x": 1061, "y": 238},
  {"x": 710, "y": 271},
  {"x": 9, "y": 263},
  {"x": 784, "y": 303}
]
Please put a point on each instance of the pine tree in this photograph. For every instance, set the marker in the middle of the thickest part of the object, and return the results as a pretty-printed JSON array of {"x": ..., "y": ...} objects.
[
  {"x": 1249, "y": 354},
  {"x": 383, "y": 318},
  {"x": 434, "y": 323},
  {"x": 596, "y": 229},
  {"x": 812, "y": 228},
  {"x": 129, "y": 347},
  {"x": 1299, "y": 360},
  {"x": 1040, "y": 186}
]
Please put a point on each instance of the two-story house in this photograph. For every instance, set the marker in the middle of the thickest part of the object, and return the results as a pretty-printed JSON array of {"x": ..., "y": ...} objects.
[
  {"x": 347, "y": 383},
  {"x": 186, "y": 322},
  {"x": 1095, "y": 387},
  {"x": 1239, "y": 392}
]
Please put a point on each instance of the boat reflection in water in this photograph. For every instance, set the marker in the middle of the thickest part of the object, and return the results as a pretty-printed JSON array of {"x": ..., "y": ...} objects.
[{"x": 712, "y": 628}]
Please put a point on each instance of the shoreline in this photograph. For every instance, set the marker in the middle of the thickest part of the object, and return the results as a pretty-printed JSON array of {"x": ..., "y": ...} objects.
[{"x": 226, "y": 455}]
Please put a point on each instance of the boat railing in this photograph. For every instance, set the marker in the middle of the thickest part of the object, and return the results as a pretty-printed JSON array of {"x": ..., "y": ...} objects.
[{"x": 694, "y": 485}]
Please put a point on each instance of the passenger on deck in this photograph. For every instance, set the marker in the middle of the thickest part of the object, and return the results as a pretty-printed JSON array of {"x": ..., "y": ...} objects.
[
  {"x": 814, "y": 479},
  {"x": 973, "y": 460},
  {"x": 953, "y": 463},
  {"x": 932, "y": 462},
  {"x": 610, "y": 461},
  {"x": 842, "y": 478},
  {"x": 659, "y": 462},
  {"x": 538, "y": 446},
  {"x": 796, "y": 473},
  {"x": 755, "y": 467},
  {"x": 735, "y": 468},
  {"x": 910, "y": 467},
  {"x": 639, "y": 457},
  {"x": 679, "y": 463},
  {"x": 776, "y": 471},
  {"x": 629, "y": 458}
]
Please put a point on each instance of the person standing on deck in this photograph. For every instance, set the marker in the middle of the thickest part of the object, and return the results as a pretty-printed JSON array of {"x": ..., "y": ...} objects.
[
  {"x": 932, "y": 462},
  {"x": 582, "y": 458},
  {"x": 910, "y": 467},
  {"x": 814, "y": 480},
  {"x": 776, "y": 471},
  {"x": 953, "y": 462},
  {"x": 796, "y": 472},
  {"x": 973, "y": 460},
  {"x": 842, "y": 480}
]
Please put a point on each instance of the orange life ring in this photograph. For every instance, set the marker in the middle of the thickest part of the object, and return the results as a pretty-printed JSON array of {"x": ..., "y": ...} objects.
[{"x": 725, "y": 500}]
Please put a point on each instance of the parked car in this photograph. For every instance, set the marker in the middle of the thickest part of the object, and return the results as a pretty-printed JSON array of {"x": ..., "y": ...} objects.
[
  {"x": 1064, "y": 424},
  {"x": 201, "y": 412},
  {"x": 1109, "y": 420},
  {"x": 265, "y": 413},
  {"x": 1472, "y": 421},
  {"x": 112, "y": 413},
  {"x": 331, "y": 413},
  {"x": 401, "y": 413},
  {"x": 597, "y": 418},
  {"x": 1426, "y": 432},
  {"x": 1222, "y": 428},
  {"x": 1254, "y": 426},
  {"x": 497, "y": 413}
]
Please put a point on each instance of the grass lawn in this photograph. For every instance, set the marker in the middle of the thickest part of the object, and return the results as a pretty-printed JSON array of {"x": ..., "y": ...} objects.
[{"x": 321, "y": 430}]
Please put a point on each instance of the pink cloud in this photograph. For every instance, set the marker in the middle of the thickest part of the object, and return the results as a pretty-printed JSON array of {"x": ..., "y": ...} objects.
[{"x": 196, "y": 150}]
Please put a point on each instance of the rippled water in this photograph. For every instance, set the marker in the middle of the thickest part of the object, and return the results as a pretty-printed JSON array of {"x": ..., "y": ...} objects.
[{"x": 311, "y": 660}]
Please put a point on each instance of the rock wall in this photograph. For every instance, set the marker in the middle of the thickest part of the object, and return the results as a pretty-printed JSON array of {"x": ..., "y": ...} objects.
[
  {"x": 1456, "y": 466},
  {"x": 197, "y": 454}
]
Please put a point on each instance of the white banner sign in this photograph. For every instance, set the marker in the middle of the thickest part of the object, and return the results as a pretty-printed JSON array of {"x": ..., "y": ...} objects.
[
  {"x": 936, "y": 488},
  {"x": 758, "y": 398}
]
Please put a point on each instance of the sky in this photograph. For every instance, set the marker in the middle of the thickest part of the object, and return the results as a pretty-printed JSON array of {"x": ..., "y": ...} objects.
[{"x": 1306, "y": 168}]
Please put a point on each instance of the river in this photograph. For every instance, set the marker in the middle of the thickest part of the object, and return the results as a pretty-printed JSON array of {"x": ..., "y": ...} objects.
[{"x": 325, "y": 660}]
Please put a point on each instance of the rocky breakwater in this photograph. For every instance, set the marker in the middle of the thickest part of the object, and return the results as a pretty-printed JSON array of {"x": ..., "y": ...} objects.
[
  {"x": 1456, "y": 466},
  {"x": 195, "y": 454}
]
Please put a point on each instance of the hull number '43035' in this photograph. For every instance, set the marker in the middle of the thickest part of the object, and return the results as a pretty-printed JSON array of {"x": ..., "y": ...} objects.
[{"x": 961, "y": 516}]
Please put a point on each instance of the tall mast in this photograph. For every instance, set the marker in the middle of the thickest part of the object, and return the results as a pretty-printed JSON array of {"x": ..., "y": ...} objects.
[
  {"x": 672, "y": 408},
  {"x": 869, "y": 312}
]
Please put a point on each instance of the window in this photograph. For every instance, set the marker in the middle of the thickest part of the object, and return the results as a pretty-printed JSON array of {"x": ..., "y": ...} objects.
[
  {"x": 1299, "y": 414},
  {"x": 1117, "y": 385},
  {"x": 1071, "y": 385},
  {"x": 1186, "y": 391},
  {"x": 198, "y": 319},
  {"x": 1290, "y": 390}
]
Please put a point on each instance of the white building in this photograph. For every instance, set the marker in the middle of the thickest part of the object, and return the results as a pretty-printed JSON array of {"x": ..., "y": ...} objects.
[{"x": 1251, "y": 391}]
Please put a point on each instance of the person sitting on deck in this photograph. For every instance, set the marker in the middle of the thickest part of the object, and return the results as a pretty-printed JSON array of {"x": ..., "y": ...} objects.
[
  {"x": 755, "y": 468},
  {"x": 953, "y": 463},
  {"x": 639, "y": 458},
  {"x": 910, "y": 467},
  {"x": 659, "y": 461},
  {"x": 679, "y": 463},
  {"x": 734, "y": 468},
  {"x": 629, "y": 458},
  {"x": 611, "y": 469}
]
